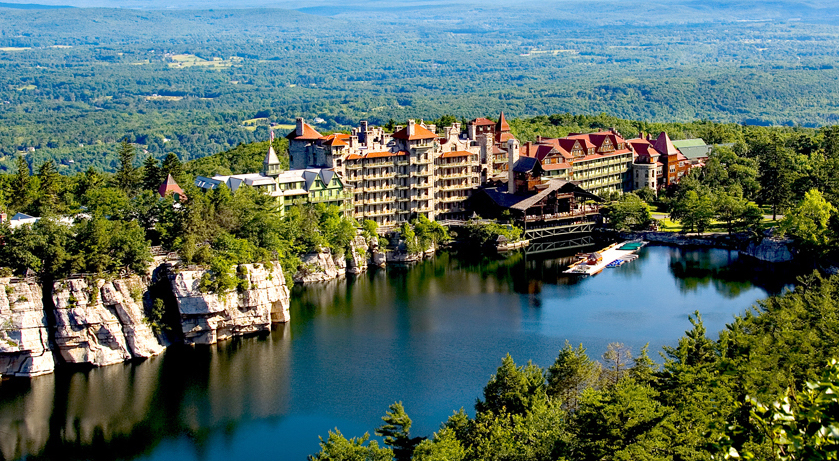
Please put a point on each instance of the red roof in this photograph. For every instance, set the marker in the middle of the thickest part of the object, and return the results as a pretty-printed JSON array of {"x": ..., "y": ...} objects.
[
  {"x": 336, "y": 139},
  {"x": 458, "y": 153},
  {"x": 502, "y": 123},
  {"x": 504, "y": 137},
  {"x": 309, "y": 134},
  {"x": 170, "y": 187},
  {"x": 643, "y": 148},
  {"x": 664, "y": 145},
  {"x": 379, "y": 154},
  {"x": 420, "y": 132},
  {"x": 482, "y": 122}
]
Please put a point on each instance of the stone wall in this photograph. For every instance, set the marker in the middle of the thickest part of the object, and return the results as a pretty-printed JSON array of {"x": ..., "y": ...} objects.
[
  {"x": 24, "y": 339},
  {"x": 101, "y": 322},
  {"x": 207, "y": 318}
]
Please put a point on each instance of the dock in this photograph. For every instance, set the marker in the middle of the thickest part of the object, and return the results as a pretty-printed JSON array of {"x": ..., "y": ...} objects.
[{"x": 612, "y": 256}]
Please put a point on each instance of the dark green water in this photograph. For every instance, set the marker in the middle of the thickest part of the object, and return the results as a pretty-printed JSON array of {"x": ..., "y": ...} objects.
[{"x": 430, "y": 336}]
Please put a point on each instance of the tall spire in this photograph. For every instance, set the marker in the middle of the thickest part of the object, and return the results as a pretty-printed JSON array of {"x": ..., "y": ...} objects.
[
  {"x": 502, "y": 125},
  {"x": 271, "y": 164}
]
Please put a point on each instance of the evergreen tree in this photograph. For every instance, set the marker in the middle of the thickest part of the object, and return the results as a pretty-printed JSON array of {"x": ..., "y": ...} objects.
[
  {"x": 151, "y": 174},
  {"x": 49, "y": 181},
  {"x": 512, "y": 389},
  {"x": 126, "y": 175},
  {"x": 172, "y": 165},
  {"x": 776, "y": 175},
  {"x": 20, "y": 185},
  {"x": 395, "y": 431},
  {"x": 571, "y": 373}
]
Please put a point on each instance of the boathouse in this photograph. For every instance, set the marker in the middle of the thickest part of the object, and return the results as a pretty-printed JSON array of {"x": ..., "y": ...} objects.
[{"x": 541, "y": 207}]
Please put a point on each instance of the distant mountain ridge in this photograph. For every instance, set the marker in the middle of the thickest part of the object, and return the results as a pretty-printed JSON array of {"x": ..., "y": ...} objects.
[{"x": 32, "y": 6}]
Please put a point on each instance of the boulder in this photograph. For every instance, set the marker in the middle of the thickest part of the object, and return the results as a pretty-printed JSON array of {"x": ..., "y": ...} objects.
[
  {"x": 207, "y": 318},
  {"x": 24, "y": 340}
]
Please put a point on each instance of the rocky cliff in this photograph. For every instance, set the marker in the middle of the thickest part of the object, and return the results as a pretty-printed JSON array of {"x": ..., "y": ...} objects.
[
  {"x": 101, "y": 322},
  {"x": 209, "y": 317},
  {"x": 770, "y": 249},
  {"x": 357, "y": 257},
  {"x": 317, "y": 267},
  {"x": 24, "y": 340}
]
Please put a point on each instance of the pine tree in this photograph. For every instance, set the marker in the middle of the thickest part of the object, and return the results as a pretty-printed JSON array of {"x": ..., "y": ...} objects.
[
  {"x": 395, "y": 432},
  {"x": 20, "y": 185},
  {"x": 172, "y": 165},
  {"x": 151, "y": 174},
  {"x": 50, "y": 184},
  {"x": 126, "y": 176}
]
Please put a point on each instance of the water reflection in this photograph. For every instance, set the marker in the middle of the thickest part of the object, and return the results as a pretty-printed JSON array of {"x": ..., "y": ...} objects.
[
  {"x": 123, "y": 411},
  {"x": 430, "y": 336}
]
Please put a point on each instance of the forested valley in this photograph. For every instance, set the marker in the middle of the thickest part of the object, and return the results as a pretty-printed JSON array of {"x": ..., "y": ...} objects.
[{"x": 75, "y": 82}]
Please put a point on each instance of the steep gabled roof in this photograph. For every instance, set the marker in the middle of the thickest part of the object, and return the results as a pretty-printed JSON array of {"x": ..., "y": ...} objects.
[
  {"x": 664, "y": 145},
  {"x": 271, "y": 157},
  {"x": 308, "y": 134},
  {"x": 420, "y": 132},
  {"x": 502, "y": 124},
  {"x": 170, "y": 187}
]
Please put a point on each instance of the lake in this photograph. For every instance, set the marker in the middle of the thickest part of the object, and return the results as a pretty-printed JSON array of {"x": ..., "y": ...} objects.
[{"x": 429, "y": 336}]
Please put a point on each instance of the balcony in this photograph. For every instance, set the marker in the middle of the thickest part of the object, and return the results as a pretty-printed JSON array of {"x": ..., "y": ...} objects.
[
  {"x": 385, "y": 212},
  {"x": 426, "y": 172},
  {"x": 379, "y": 201},
  {"x": 419, "y": 161},
  {"x": 353, "y": 166},
  {"x": 402, "y": 163},
  {"x": 378, "y": 165},
  {"x": 380, "y": 188},
  {"x": 456, "y": 164},
  {"x": 373, "y": 177},
  {"x": 425, "y": 185},
  {"x": 452, "y": 199},
  {"x": 465, "y": 175}
]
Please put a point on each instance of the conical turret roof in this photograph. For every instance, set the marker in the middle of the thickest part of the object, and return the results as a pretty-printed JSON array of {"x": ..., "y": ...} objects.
[
  {"x": 502, "y": 124},
  {"x": 271, "y": 157}
]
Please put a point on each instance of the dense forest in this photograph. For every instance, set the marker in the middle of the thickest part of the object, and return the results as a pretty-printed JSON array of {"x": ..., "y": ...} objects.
[
  {"x": 75, "y": 82},
  {"x": 710, "y": 399}
]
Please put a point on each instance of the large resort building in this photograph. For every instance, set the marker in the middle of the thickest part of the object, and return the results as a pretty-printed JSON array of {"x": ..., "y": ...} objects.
[
  {"x": 391, "y": 178},
  {"x": 289, "y": 188},
  {"x": 413, "y": 171}
]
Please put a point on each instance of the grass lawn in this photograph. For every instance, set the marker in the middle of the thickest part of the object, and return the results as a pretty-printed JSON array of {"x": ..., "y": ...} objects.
[{"x": 668, "y": 225}]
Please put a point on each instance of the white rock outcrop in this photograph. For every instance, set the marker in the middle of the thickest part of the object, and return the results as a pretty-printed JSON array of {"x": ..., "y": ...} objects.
[
  {"x": 317, "y": 267},
  {"x": 357, "y": 257},
  {"x": 207, "y": 318},
  {"x": 24, "y": 340},
  {"x": 102, "y": 322}
]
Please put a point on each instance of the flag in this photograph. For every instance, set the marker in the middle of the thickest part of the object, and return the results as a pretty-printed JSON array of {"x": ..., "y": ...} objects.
[{"x": 272, "y": 136}]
